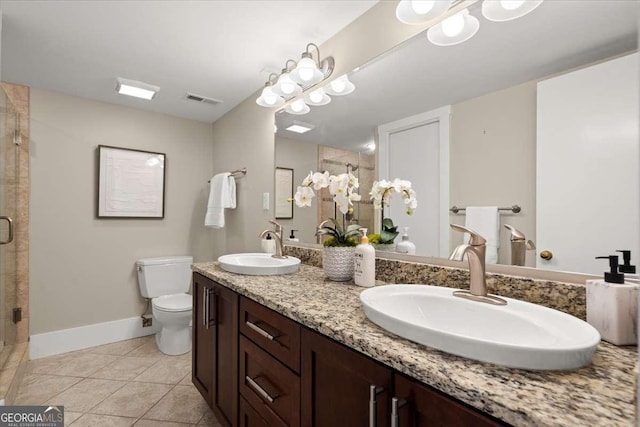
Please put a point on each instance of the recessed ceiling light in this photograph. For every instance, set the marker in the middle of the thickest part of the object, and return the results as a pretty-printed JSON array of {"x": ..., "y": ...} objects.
[
  {"x": 300, "y": 127},
  {"x": 136, "y": 89}
]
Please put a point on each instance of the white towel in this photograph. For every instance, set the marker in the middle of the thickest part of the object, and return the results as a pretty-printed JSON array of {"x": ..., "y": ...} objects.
[
  {"x": 485, "y": 220},
  {"x": 222, "y": 195}
]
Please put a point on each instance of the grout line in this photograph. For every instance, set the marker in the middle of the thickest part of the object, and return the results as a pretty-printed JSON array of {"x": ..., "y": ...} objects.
[{"x": 158, "y": 401}]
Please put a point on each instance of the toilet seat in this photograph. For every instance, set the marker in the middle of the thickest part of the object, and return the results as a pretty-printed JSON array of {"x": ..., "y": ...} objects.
[{"x": 175, "y": 302}]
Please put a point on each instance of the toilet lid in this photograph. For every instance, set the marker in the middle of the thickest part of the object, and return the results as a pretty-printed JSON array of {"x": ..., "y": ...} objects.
[{"x": 176, "y": 302}]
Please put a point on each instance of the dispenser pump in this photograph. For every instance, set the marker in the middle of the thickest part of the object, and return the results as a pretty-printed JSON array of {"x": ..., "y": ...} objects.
[
  {"x": 627, "y": 267},
  {"x": 613, "y": 276},
  {"x": 292, "y": 235},
  {"x": 405, "y": 236}
]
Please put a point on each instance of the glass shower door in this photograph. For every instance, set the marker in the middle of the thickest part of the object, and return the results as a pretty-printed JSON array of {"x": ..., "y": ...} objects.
[{"x": 9, "y": 153}]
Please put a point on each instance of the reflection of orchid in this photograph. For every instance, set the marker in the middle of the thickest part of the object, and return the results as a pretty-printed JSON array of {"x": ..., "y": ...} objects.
[
  {"x": 381, "y": 193},
  {"x": 342, "y": 187}
]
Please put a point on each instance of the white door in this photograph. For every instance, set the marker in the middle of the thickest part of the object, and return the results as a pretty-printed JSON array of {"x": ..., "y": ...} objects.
[
  {"x": 416, "y": 149},
  {"x": 588, "y": 166}
]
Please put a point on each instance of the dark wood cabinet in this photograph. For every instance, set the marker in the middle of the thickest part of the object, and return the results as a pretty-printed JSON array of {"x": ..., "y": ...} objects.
[
  {"x": 419, "y": 405},
  {"x": 258, "y": 368},
  {"x": 341, "y": 387},
  {"x": 203, "y": 337},
  {"x": 215, "y": 349}
]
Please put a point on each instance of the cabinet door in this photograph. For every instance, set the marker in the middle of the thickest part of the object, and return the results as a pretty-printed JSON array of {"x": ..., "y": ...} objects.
[
  {"x": 340, "y": 387},
  {"x": 421, "y": 406},
  {"x": 249, "y": 417},
  {"x": 203, "y": 337},
  {"x": 224, "y": 317}
]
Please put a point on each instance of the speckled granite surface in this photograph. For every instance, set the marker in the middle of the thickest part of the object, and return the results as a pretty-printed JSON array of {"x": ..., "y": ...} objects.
[
  {"x": 598, "y": 395},
  {"x": 567, "y": 297}
]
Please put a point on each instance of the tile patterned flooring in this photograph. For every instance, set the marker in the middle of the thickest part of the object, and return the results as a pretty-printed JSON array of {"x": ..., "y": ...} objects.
[{"x": 128, "y": 383}]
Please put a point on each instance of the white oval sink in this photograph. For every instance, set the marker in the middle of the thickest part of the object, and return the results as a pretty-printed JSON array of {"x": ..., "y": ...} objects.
[
  {"x": 258, "y": 264},
  {"x": 516, "y": 335}
]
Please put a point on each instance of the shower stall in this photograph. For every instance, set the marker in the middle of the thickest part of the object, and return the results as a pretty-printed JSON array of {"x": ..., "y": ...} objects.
[{"x": 14, "y": 211}]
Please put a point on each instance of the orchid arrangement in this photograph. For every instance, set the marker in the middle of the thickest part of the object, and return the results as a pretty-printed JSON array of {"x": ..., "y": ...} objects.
[
  {"x": 381, "y": 192},
  {"x": 343, "y": 189}
]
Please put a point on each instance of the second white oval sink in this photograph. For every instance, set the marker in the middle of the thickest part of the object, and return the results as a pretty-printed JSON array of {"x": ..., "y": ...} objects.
[
  {"x": 258, "y": 264},
  {"x": 517, "y": 335}
]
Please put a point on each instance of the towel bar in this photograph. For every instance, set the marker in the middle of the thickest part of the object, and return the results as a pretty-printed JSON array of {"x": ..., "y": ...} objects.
[
  {"x": 514, "y": 209},
  {"x": 242, "y": 172}
]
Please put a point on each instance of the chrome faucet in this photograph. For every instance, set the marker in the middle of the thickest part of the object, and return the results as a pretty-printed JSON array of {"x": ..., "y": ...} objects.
[
  {"x": 277, "y": 237},
  {"x": 476, "y": 250},
  {"x": 519, "y": 245}
]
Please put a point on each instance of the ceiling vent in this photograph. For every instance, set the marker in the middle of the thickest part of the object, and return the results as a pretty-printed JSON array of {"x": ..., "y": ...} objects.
[{"x": 203, "y": 99}]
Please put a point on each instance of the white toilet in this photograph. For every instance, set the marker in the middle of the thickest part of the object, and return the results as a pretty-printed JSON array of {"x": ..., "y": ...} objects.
[{"x": 166, "y": 280}]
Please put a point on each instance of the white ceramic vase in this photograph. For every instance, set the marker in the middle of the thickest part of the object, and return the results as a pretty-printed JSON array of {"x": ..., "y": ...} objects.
[
  {"x": 337, "y": 263},
  {"x": 389, "y": 247}
]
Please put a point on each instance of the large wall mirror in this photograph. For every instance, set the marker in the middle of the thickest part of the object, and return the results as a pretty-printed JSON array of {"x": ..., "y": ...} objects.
[{"x": 481, "y": 107}]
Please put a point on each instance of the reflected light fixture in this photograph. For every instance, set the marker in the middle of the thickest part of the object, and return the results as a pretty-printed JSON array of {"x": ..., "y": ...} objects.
[
  {"x": 317, "y": 97},
  {"x": 300, "y": 127},
  {"x": 136, "y": 89},
  {"x": 506, "y": 10},
  {"x": 268, "y": 98},
  {"x": 297, "y": 107},
  {"x": 454, "y": 29},
  {"x": 340, "y": 86},
  {"x": 371, "y": 146},
  {"x": 420, "y": 11}
]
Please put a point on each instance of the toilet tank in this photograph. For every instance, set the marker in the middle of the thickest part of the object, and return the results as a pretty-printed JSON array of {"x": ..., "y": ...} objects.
[{"x": 164, "y": 275}]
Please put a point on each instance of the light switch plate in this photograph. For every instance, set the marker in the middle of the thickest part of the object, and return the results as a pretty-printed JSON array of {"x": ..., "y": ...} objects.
[{"x": 265, "y": 201}]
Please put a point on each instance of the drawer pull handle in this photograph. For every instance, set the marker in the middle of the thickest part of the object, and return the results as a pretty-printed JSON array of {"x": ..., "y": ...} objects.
[
  {"x": 261, "y": 331},
  {"x": 262, "y": 392},
  {"x": 396, "y": 404},
  {"x": 205, "y": 311},
  {"x": 374, "y": 391}
]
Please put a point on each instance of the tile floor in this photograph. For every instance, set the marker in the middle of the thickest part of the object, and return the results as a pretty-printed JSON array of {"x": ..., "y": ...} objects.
[{"x": 128, "y": 383}]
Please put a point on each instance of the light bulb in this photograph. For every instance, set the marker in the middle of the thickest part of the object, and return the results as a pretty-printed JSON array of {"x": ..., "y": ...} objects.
[
  {"x": 297, "y": 106},
  {"x": 338, "y": 85},
  {"x": 306, "y": 68},
  {"x": 453, "y": 25},
  {"x": 422, "y": 7},
  {"x": 511, "y": 4},
  {"x": 268, "y": 96},
  {"x": 287, "y": 88},
  {"x": 316, "y": 96}
]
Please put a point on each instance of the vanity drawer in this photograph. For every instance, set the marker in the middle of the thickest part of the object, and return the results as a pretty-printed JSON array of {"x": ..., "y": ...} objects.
[
  {"x": 271, "y": 331},
  {"x": 268, "y": 386}
]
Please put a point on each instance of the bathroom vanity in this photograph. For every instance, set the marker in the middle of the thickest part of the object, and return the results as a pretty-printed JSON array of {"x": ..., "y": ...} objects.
[{"x": 297, "y": 350}]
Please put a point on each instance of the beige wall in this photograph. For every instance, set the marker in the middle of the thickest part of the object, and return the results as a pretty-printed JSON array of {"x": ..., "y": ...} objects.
[
  {"x": 500, "y": 129},
  {"x": 82, "y": 268},
  {"x": 302, "y": 157}
]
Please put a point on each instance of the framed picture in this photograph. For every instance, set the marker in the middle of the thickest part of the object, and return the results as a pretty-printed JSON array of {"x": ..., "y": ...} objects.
[
  {"x": 284, "y": 193},
  {"x": 131, "y": 183}
]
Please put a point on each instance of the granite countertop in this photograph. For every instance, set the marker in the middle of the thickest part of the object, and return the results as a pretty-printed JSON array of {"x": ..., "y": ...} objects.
[{"x": 598, "y": 395}]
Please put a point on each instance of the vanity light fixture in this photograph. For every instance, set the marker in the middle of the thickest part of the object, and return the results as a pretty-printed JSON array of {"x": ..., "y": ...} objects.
[
  {"x": 420, "y": 11},
  {"x": 454, "y": 29},
  {"x": 317, "y": 97},
  {"x": 136, "y": 89},
  {"x": 340, "y": 86},
  {"x": 297, "y": 107},
  {"x": 506, "y": 10},
  {"x": 300, "y": 127},
  {"x": 461, "y": 26},
  {"x": 268, "y": 98}
]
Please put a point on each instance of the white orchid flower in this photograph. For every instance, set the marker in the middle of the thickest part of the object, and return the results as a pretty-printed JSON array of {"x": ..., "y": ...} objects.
[
  {"x": 320, "y": 180},
  {"x": 303, "y": 196}
]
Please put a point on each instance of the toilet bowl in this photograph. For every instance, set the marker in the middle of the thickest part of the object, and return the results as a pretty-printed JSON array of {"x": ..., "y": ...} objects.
[
  {"x": 165, "y": 281},
  {"x": 173, "y": 313}
]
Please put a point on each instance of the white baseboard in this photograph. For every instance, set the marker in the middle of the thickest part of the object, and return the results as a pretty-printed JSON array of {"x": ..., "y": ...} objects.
[{"x": 66, "y": 340}]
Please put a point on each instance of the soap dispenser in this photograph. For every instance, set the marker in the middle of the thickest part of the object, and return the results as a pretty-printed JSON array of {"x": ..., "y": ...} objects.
[
  {"x": 406, "y": 246},
  {"x": 292, "y": 237},
  {"x": 626, "y": 267},
  {"x": 364, "y": 262},
  {"x": 612, "y": 305}
]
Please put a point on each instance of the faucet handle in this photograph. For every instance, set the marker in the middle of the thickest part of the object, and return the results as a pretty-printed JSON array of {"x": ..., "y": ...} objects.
[
  {"x": 277, "y": 225},
  {"x": 515, "y": 233},
  {"x": 475, "y": 239}
]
